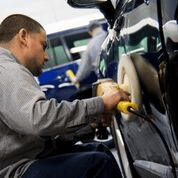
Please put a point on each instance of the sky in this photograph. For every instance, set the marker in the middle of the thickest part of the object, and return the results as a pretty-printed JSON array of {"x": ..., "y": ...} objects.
[{"x": 46, "y": 12}]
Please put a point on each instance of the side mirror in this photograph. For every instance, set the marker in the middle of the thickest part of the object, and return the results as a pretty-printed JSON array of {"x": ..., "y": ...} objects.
[
  {"x": 106, "y": 7},
  {"x": 85, "y": 3}
]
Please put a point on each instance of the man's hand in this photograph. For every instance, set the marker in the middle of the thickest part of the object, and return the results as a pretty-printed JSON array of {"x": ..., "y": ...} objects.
[
  {"x": 113, "y": 97},
  {"x": 112, "y": 94}
]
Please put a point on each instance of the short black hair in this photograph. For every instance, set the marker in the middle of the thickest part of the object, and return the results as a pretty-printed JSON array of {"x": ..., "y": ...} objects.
[
  {"x": 11, "y": 25},
  {"x": 93, "y": 24}
]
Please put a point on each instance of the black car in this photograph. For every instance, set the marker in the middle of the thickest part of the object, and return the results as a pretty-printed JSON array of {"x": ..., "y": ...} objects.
[{"x": 141, "y": 50}]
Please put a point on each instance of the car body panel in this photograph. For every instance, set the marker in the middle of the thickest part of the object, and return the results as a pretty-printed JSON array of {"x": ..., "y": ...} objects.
[
  {"x": 140, "y": 34},
  {"x": 138, "y": 31}
]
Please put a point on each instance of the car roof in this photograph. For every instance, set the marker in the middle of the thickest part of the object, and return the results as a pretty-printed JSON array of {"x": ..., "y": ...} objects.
[{"x": 72, "y": 23}]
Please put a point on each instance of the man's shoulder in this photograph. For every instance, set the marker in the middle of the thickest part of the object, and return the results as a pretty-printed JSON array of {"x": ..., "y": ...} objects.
[{"x": 9, "y": 66}]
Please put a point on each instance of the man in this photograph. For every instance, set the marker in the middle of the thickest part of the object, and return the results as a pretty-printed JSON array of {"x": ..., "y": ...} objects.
[
  {"x": 89, "y": 58},
  {"x": 28, "y": 120}
]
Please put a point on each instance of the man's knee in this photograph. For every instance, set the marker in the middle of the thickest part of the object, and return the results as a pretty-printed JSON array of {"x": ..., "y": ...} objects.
[{"x": 102, "y": 165}]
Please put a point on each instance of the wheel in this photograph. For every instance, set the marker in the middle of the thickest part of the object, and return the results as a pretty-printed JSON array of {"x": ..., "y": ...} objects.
[{"x": 127, "y": 79}]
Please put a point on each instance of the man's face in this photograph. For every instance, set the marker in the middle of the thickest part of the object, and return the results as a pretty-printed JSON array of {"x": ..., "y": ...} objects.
[{"x": 37, "y": 54}]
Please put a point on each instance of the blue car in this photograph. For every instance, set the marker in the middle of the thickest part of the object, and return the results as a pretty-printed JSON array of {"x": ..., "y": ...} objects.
[{"x": 64, "y": 49}]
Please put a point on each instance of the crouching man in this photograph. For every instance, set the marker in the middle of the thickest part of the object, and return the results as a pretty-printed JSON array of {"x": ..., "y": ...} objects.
[{"x": 29, "y": 122}]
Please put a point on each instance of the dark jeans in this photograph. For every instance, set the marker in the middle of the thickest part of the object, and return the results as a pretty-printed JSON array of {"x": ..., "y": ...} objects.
[{"x": 77, "y": 161}]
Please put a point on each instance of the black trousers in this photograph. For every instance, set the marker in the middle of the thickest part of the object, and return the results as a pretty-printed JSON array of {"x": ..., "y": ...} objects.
[{"x": 78, "y": 161}]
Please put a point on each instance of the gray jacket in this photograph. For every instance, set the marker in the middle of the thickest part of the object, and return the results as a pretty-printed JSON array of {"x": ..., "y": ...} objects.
[
  {"x": 26, "y": 116},
  {"x": 89, "y": 58}
]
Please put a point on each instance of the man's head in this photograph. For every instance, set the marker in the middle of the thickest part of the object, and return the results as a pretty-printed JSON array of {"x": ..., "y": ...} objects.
[{"x": 26, "y": 39}]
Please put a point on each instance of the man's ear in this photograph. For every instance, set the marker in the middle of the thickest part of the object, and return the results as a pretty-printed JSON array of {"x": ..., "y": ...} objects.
[{"x": 23, "y": 36}]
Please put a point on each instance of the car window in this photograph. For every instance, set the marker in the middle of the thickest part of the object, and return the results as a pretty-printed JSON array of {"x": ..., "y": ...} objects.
[
  {"x": 76, "y": 42},
  {"x": 61, "y": 57},
  {"x": 63, "y": 49},
  {"x": 81, "y": 42},
  {"x": 129, "y": 4},
  {"x": 67, "y": 45},
  {"x": 56, "y": 53},
  {"x": 81, "y": 45}
]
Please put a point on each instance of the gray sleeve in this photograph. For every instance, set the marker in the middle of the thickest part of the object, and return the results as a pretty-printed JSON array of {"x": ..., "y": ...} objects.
[
  {"x": 89, "y": 59},
  {"x": 85, "y": 66},
  {"x": 25, "y": 109}
]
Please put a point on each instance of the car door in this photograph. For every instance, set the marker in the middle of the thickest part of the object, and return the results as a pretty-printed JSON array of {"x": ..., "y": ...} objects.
[{"x": 148, "y": 142}]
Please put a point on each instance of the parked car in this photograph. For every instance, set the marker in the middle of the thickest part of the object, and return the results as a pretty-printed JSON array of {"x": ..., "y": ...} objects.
[
  {"x": 141, "y": 49},
  {"x": 64, "y": 49}
]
